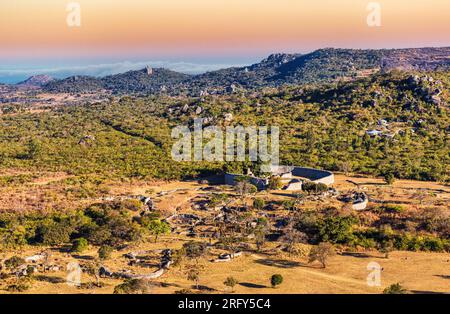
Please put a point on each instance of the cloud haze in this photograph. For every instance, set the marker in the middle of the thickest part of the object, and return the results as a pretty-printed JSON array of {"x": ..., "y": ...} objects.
[{"x": 16, "y": 74}]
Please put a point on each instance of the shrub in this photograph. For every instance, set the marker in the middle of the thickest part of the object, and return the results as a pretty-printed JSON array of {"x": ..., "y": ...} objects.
[
  {"x": 14, "y": 262},
  {"x": 276, "y": 280},
  {"x": 259, "y": 203},
  {"x": 337, "y": 229},
  {"x": 104, "y": 252},
  {"x": 312, "y": 187},
  {"x": 79, "y": 245},
  {"x": 158, "y": 227},
  {"x": 131, "y": 204},
  {"x": 389, "y": 178},
  {"x": 194, "y": 250},
  {"x": 230, "y": 282},
  {"x": 133, "y": 286},
  {"x": 395, "y": 288},
  {"x": 289, "y": 205},
  {"x": 275, "y": 183},
  {"x": 54, "y": 233},
  {"x": 21, "y": 285},
  {"x": 394, "y": 209}
]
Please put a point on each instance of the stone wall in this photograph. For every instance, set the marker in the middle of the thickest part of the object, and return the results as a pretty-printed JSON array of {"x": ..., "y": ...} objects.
[{"x": 315, "y": 175}]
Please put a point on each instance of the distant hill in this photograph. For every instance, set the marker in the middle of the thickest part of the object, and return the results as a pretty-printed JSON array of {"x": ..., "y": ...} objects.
[
  {"x": 36, "y": 80},
  {"x": 75, "y": 84},
  {"x": 148, "y": 80},
  {"x": 278, "y": 69}
]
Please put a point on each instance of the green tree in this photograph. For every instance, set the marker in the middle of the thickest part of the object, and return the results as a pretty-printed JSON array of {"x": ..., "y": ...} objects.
[
  {"x": 79, "y": 245},
  {"x": 275, "y": 183},
  {"x": 276, "y": 280},
  {"x": 230, "y": 282},
  {"x": 105, "y": 251},
  {"x": 158, "y": 227},
  {"x": 259, "y": 203}
]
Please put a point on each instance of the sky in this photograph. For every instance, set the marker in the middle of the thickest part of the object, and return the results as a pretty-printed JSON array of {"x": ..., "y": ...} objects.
[{"x": 199, "y": 35}]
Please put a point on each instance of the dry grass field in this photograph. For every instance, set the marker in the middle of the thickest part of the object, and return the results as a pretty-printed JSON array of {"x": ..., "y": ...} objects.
[{"x": 419, "y": 272}]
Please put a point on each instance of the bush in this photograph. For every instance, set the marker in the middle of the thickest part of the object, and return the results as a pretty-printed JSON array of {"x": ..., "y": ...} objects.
[
  {"x": 21, "y": 285},
  {"x": 194, "y": 250},
  {"x": 337, "y": 229},
  {"x": 276, "y": 280},
  {"x": 289, "y": 205},
  {"x": 275, "y": 183},
  {"x": 79, "y": 245},
  {"x": 158, "y": 227},
  {"x": 131, "y": 204},
  {"x": 389, "y": 178},
  {"x": 395, "y": 288},
  {"x": 312, "y": 187},
  {"x": 54, "y": 233},
  {"x": 14, "y": 262},
  {"x": 259, "y": 203},
  {"x": 104, "y": 252},
  {"x": 230, "y": 282},
  {"x": 394, "y": 209},
  {"x": 133, "y": 286}
]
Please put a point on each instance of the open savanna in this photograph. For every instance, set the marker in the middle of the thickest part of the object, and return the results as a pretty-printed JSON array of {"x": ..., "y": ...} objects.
[{"x": 346, "y": 272}]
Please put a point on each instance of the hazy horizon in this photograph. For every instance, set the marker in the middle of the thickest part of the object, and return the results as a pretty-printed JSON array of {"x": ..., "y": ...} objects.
[
  {"x": 15, "y": 73},
  {"x": 201, "y": 35}
]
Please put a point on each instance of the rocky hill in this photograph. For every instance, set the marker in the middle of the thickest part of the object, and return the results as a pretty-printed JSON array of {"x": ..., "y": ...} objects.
[
  {"x": 278, "y": 69},
  {"x": 36, "y": 80}
]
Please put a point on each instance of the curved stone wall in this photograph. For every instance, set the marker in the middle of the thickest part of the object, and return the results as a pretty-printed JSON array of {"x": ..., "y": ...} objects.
[{"x": 315, "y": 175}]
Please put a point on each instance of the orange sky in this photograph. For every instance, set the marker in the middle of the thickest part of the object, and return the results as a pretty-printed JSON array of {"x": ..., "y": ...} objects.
[{"x": 178, "y": 28}]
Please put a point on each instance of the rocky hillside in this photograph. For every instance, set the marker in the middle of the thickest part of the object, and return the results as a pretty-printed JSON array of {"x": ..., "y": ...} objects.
[
  {"x": 276, "y": 70},
  {"x": 37, "y": 81}
]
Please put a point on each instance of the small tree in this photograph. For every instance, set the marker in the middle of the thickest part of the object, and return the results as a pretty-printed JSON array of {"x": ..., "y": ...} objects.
[
  {"x": 259, "y": 203},
  {"x": 79, "y": 245},
  {"x": 395, "y": 288},
  {"x": 93, "y": 268},
  {"x": 178, "y": 257},
  {"x": 193, "y": 274},
  {"x": 291, "y": 237},
  {"x": 194, "y": 250},
  {"x": 389, "y": 178},
  {"x": 104, "y": 252},
  {"x": 260, "y": 233},
  {"x": 321, "y": 253},
  {"x": 275, "y": 183},
  {"x": 387, "y": 247},
  {"x": 158, "y": 227},
  {"x": 230, "y": 282},
  {"x": 14, "y": 262},
  {"x": 276, "y": 280}
]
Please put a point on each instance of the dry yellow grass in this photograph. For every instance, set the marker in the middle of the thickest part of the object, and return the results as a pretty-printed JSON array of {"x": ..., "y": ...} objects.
[{"x": 417, "y": 272}]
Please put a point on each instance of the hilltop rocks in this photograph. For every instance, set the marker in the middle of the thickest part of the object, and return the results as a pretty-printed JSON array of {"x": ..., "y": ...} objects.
[
  {"x": 148, "y": 70},
  {"x": 86, "y": 140},
  {"x": 199, "y": 110},
  {"x": 185, "y": 108},
  {"x": 231, "y": 89},
  {"x": 228, "y": 117},
  {"x": 36, "y": 81}
]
